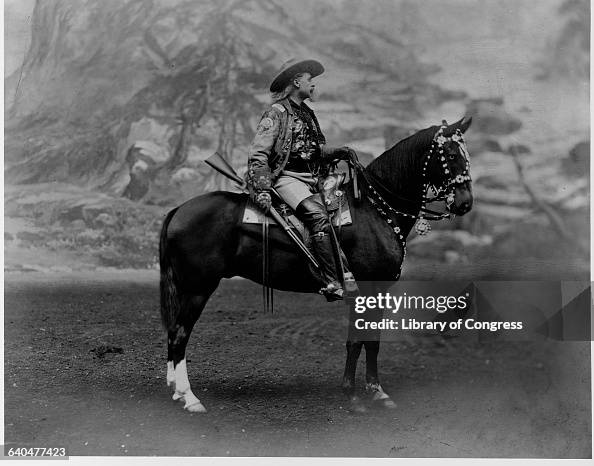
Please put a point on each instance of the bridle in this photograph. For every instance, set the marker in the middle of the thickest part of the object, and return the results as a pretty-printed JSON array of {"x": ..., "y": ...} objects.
[{"x": 444, "y": 191}]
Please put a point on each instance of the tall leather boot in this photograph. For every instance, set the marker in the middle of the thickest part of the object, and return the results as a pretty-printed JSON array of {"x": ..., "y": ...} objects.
[
  {"x": 349, "y": 283},
  {"x": 312, "y": 212},
  {"x": 324, "y": 252}
]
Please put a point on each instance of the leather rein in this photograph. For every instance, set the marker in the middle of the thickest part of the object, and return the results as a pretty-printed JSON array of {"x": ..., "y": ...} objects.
[{"x": 445, "y": 191}]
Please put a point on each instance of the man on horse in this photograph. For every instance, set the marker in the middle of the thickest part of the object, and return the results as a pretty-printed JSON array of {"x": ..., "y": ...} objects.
[{"x": 288, "y": 153}]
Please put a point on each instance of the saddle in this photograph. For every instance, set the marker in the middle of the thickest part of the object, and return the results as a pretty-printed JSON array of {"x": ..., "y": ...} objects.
[{"x": 334, "y": 197}]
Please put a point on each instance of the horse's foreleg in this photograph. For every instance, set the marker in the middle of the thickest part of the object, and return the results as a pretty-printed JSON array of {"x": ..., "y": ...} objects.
[
  {"x": 353, "y": 349},
  {"x": 372, "y": 384},
  {"x": 177, "y": 340}
]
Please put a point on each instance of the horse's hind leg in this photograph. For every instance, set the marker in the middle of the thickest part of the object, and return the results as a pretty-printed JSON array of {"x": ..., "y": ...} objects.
[
  {"x": 372, "y": 384},
  {"x": 353, "y": 349},
  {"x": 191, "y": 307}
]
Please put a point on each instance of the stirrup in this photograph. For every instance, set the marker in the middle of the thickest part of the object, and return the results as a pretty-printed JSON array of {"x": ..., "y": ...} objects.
[{"x": 332, "y": 292}]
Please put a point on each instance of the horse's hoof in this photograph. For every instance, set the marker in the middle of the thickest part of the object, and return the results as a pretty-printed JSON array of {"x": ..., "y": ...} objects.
[
  {"x": 192, "y": 404},
  {"x": 388, "y": 404},
  {"x": 358, "y": 409},
  {"x": 196, "y": 408},
  {"x": 379, "y": 398}
]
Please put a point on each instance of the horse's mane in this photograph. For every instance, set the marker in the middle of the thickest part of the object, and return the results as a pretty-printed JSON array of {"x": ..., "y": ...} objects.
[{"x": 401, "y": 162}]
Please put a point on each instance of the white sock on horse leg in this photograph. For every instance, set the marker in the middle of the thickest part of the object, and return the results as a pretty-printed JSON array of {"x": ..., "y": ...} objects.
[
  {"x": 170, "y": 374},
  {"x": 377, "y": 391},
  {"x": 183, "y": 389},
  {"x": 182, "y": 383}
]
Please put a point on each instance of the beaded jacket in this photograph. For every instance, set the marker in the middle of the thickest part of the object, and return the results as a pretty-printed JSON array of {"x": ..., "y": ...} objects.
[{"x": 271, "y": 148}]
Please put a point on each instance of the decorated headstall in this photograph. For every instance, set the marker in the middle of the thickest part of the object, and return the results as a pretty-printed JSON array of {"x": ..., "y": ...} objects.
[
  {"x": 443, "y": 191},
  {"x": 446, "y": 189}
]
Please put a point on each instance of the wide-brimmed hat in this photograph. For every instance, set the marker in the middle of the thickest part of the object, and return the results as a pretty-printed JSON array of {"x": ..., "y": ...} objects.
[{"x": 292, "y": 67}]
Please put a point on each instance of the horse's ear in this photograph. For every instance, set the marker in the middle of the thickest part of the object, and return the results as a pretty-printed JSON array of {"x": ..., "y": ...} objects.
[
  {"x": 465, "y": 123},
  {"x": 461, "y": 124}
]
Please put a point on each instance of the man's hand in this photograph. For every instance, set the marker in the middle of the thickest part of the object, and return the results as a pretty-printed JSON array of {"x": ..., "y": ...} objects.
[
  {"x": 340, "y": 153},
  {"x": 264, "y": 200},
  {"x": 346, "y": 153}
]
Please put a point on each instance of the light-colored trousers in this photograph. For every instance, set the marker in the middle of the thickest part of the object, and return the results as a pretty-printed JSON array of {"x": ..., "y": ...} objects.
[{"x": 293, "y": 187}]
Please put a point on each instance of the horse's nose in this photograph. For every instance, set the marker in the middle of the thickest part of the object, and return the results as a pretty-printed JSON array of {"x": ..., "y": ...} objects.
[{"x": 466, "y": 206}]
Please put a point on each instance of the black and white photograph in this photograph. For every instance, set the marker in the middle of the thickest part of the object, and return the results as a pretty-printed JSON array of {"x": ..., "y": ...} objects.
[{"x": 297, "y": 229}]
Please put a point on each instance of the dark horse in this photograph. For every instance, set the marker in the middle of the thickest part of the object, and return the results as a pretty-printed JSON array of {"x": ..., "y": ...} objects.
[{"x": 204, "y": 240}]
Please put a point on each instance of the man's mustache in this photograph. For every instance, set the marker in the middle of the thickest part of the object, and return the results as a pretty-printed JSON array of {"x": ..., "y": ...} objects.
[{"x": 315, "y": 94}]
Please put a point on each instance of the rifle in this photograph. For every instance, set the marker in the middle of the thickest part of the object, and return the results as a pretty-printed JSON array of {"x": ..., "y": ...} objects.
[{"x": 217, "y": 162}]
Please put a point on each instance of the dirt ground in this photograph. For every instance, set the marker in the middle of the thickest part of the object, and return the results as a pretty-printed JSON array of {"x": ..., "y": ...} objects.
[{"x": 85, "y": 360}]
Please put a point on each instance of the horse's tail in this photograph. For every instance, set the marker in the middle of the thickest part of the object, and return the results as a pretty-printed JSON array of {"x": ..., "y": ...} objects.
[{"x": 170, "y": 302}]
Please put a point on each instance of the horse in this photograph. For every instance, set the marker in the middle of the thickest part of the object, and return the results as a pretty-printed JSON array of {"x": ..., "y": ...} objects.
[{"x": 204, "y": 240}]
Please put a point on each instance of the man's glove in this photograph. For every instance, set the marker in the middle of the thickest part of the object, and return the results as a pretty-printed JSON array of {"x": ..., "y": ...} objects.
[
  {"x": 348, "y": 154},
  {"x": 341, "y": 153},
  {"x": 263, "y": 200},
  {"x": 260, "y": 182}
]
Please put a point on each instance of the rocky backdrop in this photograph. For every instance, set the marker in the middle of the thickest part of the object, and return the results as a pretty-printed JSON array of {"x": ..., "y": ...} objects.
[{"x": 116, "y": 103}]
